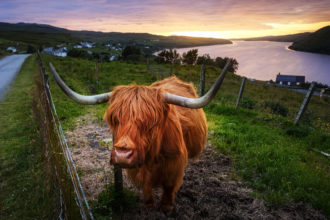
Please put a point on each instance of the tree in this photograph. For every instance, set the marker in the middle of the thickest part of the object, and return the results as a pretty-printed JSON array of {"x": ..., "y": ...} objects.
[
  {"x": 190, "y": 57},
  {"x": 30, "y": 49},
  {"x": 221, "y": 62},
  {"x": 168, "y": 56},
  {"x": 205, "y": 59},
  {"x": 233, "y": 64},
  {"x": 78, "y": 53},
  {"x": 131, "y": 53}
]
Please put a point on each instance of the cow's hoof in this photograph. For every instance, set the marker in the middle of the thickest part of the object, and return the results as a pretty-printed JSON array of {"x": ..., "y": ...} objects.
[
  {"x": 167, "y": 207},
  {"x": 149, "y": 206}
]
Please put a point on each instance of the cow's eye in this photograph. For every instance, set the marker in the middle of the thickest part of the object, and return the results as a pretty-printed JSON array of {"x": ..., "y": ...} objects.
[{"x": 115, "y": 120}]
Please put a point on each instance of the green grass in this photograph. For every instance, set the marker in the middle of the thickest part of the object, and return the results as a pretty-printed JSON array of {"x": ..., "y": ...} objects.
[
  {"x": 25, "y": 192},
  {"x": 3, "y": 40},
  {"x": 110, "y": 203},
  {"x": 317, "y": 114},
  {"x": 279, "y": 160},
  {"x": 79, "y": 74}
]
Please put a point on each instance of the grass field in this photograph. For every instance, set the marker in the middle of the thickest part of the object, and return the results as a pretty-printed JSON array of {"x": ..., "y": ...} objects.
[
  {"x": 25, "y": 191},
  {"x": 279, "y": 160}
]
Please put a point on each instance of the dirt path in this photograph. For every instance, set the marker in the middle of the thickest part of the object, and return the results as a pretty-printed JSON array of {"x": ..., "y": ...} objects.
[{"x": 210, "y": 189}]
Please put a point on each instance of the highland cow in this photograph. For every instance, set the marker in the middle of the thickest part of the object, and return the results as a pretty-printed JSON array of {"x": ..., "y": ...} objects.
[{"x": 156, "y": 129}]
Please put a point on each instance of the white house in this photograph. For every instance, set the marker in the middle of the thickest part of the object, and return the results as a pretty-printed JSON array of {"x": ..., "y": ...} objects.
[
  {"x": 12, "y": 49},
  {"x": 61, "y": 52},
  {"x": 77, "y": 46},
  {"x": 87, "y": 44},
  {"x": 48, "y": 50},
  {"x": 113, "y": 57}
]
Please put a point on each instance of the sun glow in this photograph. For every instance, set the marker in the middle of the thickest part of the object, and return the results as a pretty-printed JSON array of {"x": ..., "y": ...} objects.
[
  {"x": 213, "y": 34},
  {"x": 274, "y": 30}
]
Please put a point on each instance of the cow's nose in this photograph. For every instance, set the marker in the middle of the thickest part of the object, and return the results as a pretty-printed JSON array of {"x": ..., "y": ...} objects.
[
  {"x": 124, "y": 157},
  {"x": 122, "y": 152}
]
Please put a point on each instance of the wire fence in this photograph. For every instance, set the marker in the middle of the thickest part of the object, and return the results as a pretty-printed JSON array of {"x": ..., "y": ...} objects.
[{"x": 72, "y": 199}]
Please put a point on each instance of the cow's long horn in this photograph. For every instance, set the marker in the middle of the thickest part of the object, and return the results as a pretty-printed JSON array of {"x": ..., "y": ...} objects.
[
  {"x": 201, "y": 101},
  {"x": 82, "y": 99}
]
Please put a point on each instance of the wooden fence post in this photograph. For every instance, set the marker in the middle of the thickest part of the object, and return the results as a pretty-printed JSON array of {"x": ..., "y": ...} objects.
[
  {"x": 202, "y": 81},
  {"x": 96, "y": 72},
  {"x": 148, "y": 65},
  {"x": 240, "y": 92},
  {"x": 101, "y": 58},
  {"x": 171, "y": 70},
  {"x": 305, "y": 102},
  {"x": 118, "y": 176}
]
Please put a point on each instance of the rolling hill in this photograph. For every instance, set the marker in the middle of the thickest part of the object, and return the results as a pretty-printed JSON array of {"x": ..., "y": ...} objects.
[
  {"x": 281, "y": 38},
  {"x": 317, "y": 42},
  {"x": 46, "y": 35}
]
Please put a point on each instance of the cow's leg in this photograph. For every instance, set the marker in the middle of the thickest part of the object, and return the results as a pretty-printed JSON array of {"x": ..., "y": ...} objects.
[
  {"x": 167, "y": 202},
  {"x": 149, "y": 200},
  {"x": 148, "y": 196}
]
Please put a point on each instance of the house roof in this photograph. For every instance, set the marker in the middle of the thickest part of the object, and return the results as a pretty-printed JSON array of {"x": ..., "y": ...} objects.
[{"x": 290, "y": 78}]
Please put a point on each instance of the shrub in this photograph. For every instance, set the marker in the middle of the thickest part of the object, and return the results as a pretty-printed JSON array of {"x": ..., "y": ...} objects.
[
  {"x": 247, "y": 103},
  {"x": 277, "y": 108},
  {"x": 132, "y": 53},
  {"x": 78, "y": 53},
  {"x": 297, "y": 131}
]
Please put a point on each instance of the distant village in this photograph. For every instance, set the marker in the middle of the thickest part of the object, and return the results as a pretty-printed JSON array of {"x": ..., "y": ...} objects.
[{"x": 62, "y": 50}]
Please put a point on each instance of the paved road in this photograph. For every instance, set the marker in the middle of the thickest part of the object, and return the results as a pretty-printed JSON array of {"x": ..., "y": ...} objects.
[
  {"x": 304, "y": 91},
  {"x": 9, "y": 67}
]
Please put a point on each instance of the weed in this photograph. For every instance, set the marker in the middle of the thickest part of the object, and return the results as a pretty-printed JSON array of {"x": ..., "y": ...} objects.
[
  {"x": 277, "y": 108},
  {"x": 298, "y": 130},
  {"x": 247, "y": 103},
  {"x": 109, "y": 203}
]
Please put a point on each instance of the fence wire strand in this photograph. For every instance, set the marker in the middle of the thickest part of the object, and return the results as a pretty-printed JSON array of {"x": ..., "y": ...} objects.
[{"x": 80, "y": 197}]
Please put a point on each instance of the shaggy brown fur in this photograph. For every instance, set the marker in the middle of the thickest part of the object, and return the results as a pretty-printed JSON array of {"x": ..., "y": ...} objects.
[{"x": 160, "y": 135}]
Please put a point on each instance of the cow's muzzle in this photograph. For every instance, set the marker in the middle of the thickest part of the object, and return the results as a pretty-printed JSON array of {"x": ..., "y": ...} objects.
[{"x": 124, "y": 157}]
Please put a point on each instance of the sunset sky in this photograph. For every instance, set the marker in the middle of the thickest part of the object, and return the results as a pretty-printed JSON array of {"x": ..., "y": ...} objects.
[{"x": 208, "y": 18}]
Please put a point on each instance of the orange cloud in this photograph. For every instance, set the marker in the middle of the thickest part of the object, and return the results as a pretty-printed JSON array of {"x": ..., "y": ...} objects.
[{"x": 217, "y": 18}]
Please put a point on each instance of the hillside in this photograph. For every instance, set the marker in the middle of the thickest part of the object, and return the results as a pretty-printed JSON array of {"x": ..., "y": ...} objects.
[
  {"x": 282, "y": 38},
  {"x": 317, "y": 42},
  {"x": 41, "y": 34},
  {"x": 279, "y": 160},
  {"x": 257, "y": 163}
]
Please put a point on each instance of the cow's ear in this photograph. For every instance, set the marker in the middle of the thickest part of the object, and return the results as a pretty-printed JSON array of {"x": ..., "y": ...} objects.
[{"x": 106, "y": 116}]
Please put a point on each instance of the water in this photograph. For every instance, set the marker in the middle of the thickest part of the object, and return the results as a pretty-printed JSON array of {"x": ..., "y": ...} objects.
[
  {"x": 9, "y": 67},
  {"x": 263, "y": 60}
]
